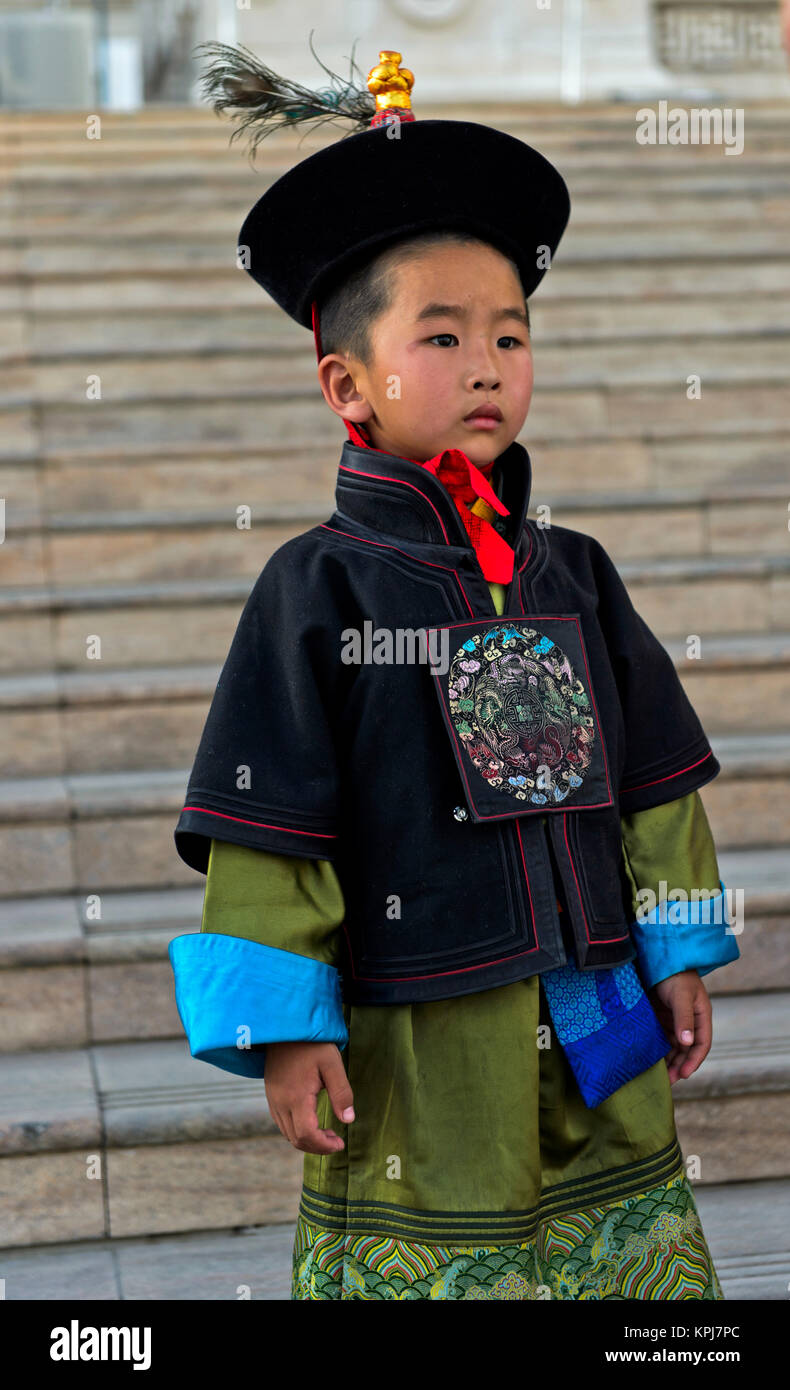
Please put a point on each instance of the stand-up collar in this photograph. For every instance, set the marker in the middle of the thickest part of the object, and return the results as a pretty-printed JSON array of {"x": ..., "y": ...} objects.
[{"x": 400, "y": 497}]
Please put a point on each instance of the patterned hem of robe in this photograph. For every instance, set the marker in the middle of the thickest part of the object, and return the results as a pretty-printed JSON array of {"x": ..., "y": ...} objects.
[{"x": 648, "y": 1244}]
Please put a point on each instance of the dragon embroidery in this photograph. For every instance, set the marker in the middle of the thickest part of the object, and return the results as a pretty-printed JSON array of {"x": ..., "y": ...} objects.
[{"x": 522, "y": 715}]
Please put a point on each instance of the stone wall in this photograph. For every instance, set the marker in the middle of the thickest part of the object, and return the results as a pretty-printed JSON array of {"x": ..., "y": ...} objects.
[{"x": 572, "y": 50}]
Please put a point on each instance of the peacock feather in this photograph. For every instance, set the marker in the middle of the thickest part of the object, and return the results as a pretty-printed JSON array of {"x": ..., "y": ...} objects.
[{"x": 261, "y": 101}]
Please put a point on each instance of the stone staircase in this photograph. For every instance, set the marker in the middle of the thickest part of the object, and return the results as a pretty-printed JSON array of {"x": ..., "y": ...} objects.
[{"x": 117, "y": 268}]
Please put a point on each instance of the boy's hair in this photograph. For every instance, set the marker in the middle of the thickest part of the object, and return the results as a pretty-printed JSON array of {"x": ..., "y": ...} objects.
[{"x": 347, "y": 313}]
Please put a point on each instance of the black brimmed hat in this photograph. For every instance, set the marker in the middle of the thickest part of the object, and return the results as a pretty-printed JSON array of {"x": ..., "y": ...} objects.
[{"x": 393, "y": 179}]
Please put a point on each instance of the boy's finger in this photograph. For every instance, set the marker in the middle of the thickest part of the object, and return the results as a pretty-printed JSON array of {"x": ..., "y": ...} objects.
[
  {"x": 674, "y": 1060},
  {"x": 683, "y": 1022},
  {"x": 703, "y": 1023},
  {"x": 693, "y": 1058},
  {"x": 341, "y": 1096},
  {"x": 307, "y": 1133},
  {"x": 282, "y": 1119},
  {"x": 703, "y": 1028}
]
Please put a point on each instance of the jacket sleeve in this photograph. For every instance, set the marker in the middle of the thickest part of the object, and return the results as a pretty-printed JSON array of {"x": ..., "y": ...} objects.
[
  {"x": 265, "y": 773},
  {"x": 669, "y": 850},
  {"x": 667, "y": 753},
  {"x": 263, "y": 967}
]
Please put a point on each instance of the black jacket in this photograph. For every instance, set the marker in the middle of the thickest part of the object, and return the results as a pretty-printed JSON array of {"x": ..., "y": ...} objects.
[{"x": 429, "y": 779}]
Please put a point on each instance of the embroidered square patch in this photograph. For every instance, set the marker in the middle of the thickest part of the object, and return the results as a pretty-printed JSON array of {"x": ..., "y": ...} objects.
[{"x": 520, "y": 711}]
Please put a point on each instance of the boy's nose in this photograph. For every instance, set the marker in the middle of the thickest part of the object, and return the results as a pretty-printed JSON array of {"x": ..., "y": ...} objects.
[
  {"x": 482, "y": 367},
  {"x": 485, "y": 375}
]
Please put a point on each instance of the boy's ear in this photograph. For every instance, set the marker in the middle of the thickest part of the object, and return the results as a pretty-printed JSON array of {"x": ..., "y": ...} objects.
[{"x": 336, "y": 379}]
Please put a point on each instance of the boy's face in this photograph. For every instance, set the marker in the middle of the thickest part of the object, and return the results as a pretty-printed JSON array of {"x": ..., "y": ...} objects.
[{"x": 431, "y": 366}]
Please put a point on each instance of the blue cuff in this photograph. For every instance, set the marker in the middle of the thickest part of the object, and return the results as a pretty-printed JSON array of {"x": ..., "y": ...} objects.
[
  {"x": 677, "y": 936},
  {"x": 232, "y": 992}
]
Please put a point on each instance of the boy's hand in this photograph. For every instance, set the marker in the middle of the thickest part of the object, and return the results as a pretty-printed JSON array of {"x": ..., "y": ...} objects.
[
  {"x": 683, "y": 1007},
  {"x": 294, "y": 1074}
]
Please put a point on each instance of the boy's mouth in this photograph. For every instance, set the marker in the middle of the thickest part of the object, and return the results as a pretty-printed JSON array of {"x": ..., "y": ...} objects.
[{"x": 484, "y": 417}]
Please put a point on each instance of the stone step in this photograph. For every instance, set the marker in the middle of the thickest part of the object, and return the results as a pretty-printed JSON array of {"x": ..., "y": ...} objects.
[
  {"x": 38, "y": 211},
  {"x": 150, "y": 477},
  {"x": 146, "y": 478},
  {"x": 283, "y": 371},
  {"x": 169, "y": 1130},
  {"x": 59, "y": 722},
  {"x": 714, "y": 596},
  {"x": 579, "y": 131},
  {"x": 709, "y": 187},
  {"x": 180, "y": 286},
  {"x": 44, "y": 336},
  {"x": 300, "y": 417},
  {"x": 763, "y": 941},
  {"x": 36, "y": 207},
  {"x": 735, "y": 674},
  {"x": 213, "y": 1266},
  {"x": 146, "y": 546},
  {"x": 157, "y": 124},
  {"x": 190, "y": 620},
  {"x": 745, "y": 1226},
  {"x": 111, "y": 720},
  {"x": 755, "y": 769},
  {"x": 588, "y": 122},
  {"x": 158, "y": 118},
  {"x": 563, "y": 417},
  {"x": 68, "y": 979},
  {"x": 103, "y": 166},
  {"x": 733, "y": 1112},
  {"x": 72, "y": 832},
  {"x": 582, "y": 245}
]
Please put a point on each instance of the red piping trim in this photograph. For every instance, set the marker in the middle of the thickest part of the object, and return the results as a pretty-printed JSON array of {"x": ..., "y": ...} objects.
[
  {"x": 668, "y": 778},
  {"x": 352, "y": 430},
  {"x": 595, "y": 707},
  {"x": 526, "y": 875},
  {"x": 463, "y": 970},
  {"x": 520, "y": 594},
  {"x": 382, "y": 545},
  {"x": 591, "y": 941},
  {"x": 316, "y": 331},
  {"x": 263, "y": 825},
  {"x": 503, "y": 618},
  {"x": 343, "y": 467}
]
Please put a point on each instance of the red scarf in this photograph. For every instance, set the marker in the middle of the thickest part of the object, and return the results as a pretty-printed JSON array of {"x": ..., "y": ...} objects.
[{"x": 469, "y": 488}]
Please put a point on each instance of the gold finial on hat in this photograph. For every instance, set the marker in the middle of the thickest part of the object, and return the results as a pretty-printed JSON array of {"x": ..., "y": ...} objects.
[{"x": 390, "y": 83}]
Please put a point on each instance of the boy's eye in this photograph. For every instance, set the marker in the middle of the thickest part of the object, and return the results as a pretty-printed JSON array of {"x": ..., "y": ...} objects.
[{"x": 506, "y": 337}]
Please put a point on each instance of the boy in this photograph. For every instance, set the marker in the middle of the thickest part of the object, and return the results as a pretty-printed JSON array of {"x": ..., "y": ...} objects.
[{"x": 435, "y": 863}]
